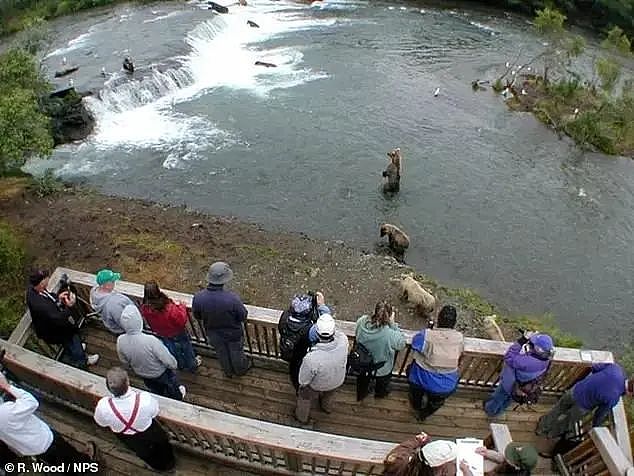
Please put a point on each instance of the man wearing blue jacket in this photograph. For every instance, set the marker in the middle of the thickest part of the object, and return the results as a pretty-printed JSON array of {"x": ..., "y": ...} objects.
[{"x": 600, "y": 391}]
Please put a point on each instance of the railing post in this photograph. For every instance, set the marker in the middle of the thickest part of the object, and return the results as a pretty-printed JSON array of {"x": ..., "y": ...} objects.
[{"x": 610, "y": 452}]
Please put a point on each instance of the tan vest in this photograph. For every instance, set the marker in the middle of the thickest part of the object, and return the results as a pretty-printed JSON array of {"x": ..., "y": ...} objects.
[{"x": 443, "y": 348}]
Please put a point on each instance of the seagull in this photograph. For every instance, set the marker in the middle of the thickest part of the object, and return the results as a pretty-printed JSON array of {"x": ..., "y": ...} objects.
[
  {"x": 576, "y": 111},
  {"x": 513, "y": 73},
  {"x": 524, "y": 93},
  {"x": 582, "y": 193},
  {"x": 528, "y": 69},
  {"x": 64, "y": 60},
  {"x": 71, "y": 82},
  {"x": 507, "y": 64},
  {"x": 436, "y": 92},
  {"x": 103, "y": 72}
]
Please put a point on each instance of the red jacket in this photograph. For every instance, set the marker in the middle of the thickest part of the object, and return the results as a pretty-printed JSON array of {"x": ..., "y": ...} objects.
[{"x": 169, "y": 322}]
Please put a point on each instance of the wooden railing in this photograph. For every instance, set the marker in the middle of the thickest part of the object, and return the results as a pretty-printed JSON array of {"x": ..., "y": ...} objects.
[
  {"x": 230, "y": 439},
  {"x": 480, "y": 366},
  {"x": 599, "y": 455}
]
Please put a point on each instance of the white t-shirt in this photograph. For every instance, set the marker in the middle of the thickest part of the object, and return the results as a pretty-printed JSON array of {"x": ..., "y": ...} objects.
[
  {"x": 20, "y": 429},
  {"x": 148, "y": 409}
]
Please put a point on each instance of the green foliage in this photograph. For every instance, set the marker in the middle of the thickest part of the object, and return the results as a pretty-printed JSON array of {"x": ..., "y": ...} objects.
[
  {"x": 46, "y": 185},
  {"x": 33, "y": 37},
  {"x": 549, "y": 21},
  {"x": 12, "y": 263},
  {"x": 24, "y": 129},
  {"x": 574, "y": 45},
  {"x": 19, "y": 70},
  {"x": 617, "y": 40},
  {"x": 589, "y": 128},
  {"x": 608, "y": 71},
  {"x": 626, "y": 359},
  {"x": 566, "y": 88}
]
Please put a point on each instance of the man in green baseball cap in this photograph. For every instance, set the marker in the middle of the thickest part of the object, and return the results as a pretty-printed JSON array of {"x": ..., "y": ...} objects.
[
  {"x": 518, "y": 458},
  {"x": 107, "y": 276},
  {"x": 107, "y": 302}
]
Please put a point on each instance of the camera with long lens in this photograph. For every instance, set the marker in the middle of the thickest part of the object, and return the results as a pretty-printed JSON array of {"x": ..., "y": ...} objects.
[{"x": 314, "y": 307}]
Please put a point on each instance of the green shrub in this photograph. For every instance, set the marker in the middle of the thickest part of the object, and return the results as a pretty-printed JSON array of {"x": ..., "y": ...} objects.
[
  {"x": 12, "y": 262},
  {"x": 46, "y": 185}
]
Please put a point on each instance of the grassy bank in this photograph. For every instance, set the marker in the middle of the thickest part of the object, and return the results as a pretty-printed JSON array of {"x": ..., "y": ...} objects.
[
  {"x": 597, "y": 112},
  {"x": 18, "y": 15}
]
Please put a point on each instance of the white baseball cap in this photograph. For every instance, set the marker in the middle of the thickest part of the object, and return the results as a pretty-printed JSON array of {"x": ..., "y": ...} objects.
[{"x": 325, "y": 326}]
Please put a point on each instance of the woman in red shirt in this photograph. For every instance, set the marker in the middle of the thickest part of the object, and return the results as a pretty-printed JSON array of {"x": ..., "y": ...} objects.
[{"x": 168, "y": 320}]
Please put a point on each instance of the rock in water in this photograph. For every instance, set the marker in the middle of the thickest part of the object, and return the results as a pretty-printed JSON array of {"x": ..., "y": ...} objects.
[{"x": 70, "y": 119}]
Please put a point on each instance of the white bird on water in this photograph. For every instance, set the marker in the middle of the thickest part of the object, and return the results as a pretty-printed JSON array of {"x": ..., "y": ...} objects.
[
  {"x": 436, "y": 92},
  {"x": 103, "y": 71},
  {"x": 71, "y": 82},
  {"x": 507, "y": 64},
  {"x": 64, "y": 60},
  {"x": 576, "y": 111}
]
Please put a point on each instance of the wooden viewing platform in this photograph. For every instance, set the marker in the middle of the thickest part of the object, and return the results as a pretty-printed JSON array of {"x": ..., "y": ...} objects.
[{"x": 247, "y": 422}]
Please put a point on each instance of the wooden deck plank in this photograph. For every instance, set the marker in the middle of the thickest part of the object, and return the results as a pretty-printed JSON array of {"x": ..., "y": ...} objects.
[{"x": 389, "y": 419}]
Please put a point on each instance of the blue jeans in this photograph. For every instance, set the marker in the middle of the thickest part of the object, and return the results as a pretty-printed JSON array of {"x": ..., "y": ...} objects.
[
  {"x": 165, "y": 385},
  {"x": 74, "y": 351},
  {"x": 497, "y": 402},
  {"x": 182, "y": 349}
]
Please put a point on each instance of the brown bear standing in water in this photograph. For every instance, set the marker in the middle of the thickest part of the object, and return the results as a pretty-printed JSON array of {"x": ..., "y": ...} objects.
[
  {"x": 398, "y": 240},
  {"x": 393, "y": 172}
]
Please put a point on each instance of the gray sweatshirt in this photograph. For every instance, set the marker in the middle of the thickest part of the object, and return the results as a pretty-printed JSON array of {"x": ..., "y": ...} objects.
[
  {"x": 324, "y": 366},
  {"x": 147, "y": 355},
  {"x": 109, "y": 306}
]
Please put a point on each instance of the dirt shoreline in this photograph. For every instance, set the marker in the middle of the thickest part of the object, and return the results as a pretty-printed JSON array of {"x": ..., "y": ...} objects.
[{"x": 84, "y": 230}]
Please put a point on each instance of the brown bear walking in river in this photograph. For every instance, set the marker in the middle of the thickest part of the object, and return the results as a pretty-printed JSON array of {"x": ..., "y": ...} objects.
[
  {"x": 397, "y": 238},
  {"x": 393, "y": 172}
]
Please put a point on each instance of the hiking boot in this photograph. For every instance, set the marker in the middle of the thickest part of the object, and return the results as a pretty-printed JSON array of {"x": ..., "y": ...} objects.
[
  {"x": 198, "y": 360},
  {"x": 183, "y": 390},
  {"x": 92, "y": 359},
  {"x": 91, "y": 450}
]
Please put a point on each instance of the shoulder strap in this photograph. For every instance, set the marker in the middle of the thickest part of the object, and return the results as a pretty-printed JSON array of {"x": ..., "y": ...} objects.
[{"x": 127, "y": 425}]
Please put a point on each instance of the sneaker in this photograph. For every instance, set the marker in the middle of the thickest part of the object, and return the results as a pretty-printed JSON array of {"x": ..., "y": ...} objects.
[
  {"x": 183, "y": 390},
  {"x": 83, "y": 345},
  {"x": 92, "y": 359},
  {"x": 199, "y": 361}
]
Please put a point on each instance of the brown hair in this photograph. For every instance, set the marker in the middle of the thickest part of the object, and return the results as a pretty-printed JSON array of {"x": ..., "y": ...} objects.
[
  {"x": 382, "y": 314},
  {"x": 154, "y": 297}
]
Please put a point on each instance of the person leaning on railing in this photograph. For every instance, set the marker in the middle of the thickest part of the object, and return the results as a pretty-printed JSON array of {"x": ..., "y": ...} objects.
[
  {"x": 108, "y": 302},
  {"x": 518, "y": 459},
  {"x": 131, "y": 415},
  {"x": 168, "y": 320},
  {"x": 27, "y": 435},
  {"x": 148, "y": 356},
  {"x": 600, "y": 391},
  {"x": 526, "y": 360},
  {"x": 223, "y": 315},
  {"x": 433, "y": 375},
  {"x": 383, "y": 338},
  {"x": 53, "y": 321}
]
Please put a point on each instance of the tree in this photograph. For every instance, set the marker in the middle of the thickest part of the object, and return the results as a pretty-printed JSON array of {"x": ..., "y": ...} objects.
[
  {"x": 617, "y": 46},
  {"x": 24, "y": 130},
  {"x": 18, "y": 70}
]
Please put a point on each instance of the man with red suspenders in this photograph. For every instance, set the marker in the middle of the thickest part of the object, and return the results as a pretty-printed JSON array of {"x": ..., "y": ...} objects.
[{"x": 131, "y": 416}]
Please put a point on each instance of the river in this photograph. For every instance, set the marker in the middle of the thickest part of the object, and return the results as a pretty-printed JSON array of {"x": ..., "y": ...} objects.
[{"x": 491, "y": 199}]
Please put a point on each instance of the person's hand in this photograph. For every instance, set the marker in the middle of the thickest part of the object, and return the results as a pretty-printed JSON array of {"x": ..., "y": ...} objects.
[
  {"x": 392, "y": 317},
  {"x": 71, "y": 300},
  {"x": 4, "y": 384},
  {"x": 482, "y": 451},
  {"x": 320, "y": 298},
  {"x": 464, "y": 467},
  {"x": 529, "y": 334}
]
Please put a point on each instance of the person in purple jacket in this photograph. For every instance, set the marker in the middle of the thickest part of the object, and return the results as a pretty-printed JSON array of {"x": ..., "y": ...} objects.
[
  {"x": 223, "y": 314},
  {"x": 599, "y": 391},
  {"x": 526, "y": 360}
]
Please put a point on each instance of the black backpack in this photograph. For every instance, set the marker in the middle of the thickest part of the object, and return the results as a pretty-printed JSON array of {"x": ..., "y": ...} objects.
[
  {"x": 361, "y": 361},
  {"x": 294, "y": 326}
]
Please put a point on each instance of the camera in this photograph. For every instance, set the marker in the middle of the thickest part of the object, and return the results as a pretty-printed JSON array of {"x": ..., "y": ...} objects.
[
  {"x": 63, "y": 284},
  {"x": 430, "y": 324}
]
